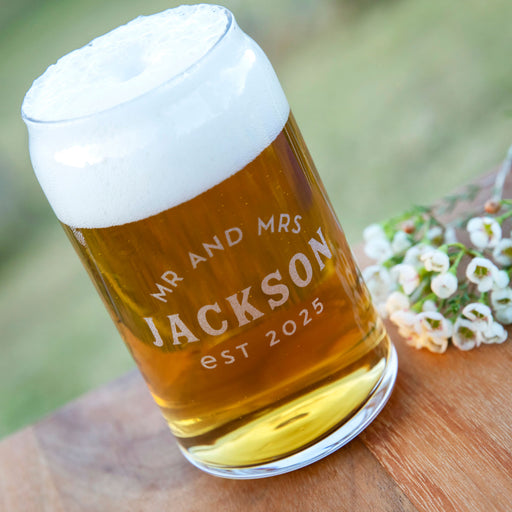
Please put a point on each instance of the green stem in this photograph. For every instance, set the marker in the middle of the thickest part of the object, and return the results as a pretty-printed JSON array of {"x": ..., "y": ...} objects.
[
  {"x": 499, "y": 182},
  {"x": 501, "y": 218},
  {"x": 484, "y": 299},
  {"x": 418, "y": 306},
  {"x": 463, "y": 248},
  {"x": 456, "y": 262},
  {"x": 424, "y": 230}
]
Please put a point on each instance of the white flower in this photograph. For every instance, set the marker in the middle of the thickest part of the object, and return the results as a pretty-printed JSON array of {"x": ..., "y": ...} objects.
[
  {"x": 450, "y": 236},
  {"x": 465, "y": 334},
  {"x": 478, "y": 327},
  {"x": 501, "y": 279},
  {"x": 429, "y": 305},
  {"x": 378, "y": 249},
  {"x": 397, "y": 301},
  {"x": 401, "y": 242},
  {"x": 479, "y": 314},
  {"x": 406, "y": 276},
  {"x": 435, "y": 261},
  {"x": 377, "y": 245},
  {"x": 413, "y": 255},
  {"x": 436, "y": 344},
  {"x": 433, "y": 322},
  {"x": 433, "y": 330},
  {"x": 380, "y": 285},
  {"x": 429, "y": 330},
  {"x": 404, "y": 320},
  {"x": 484, "y": 232},
  {"x": 444, "y": 285},
  {"x": 372, "y": 232},
  {"x": 496, "y": 333},
  {"x": 435, "y": 235},
  {"x": 502, "y": 253},
  {"x": 482, "y": 271},
  {"x": 501, "y": 300},
  {"x": 408, "y": 327},
  {"x": 415, "y": 340},
  {"x": 504, "y": 315}
]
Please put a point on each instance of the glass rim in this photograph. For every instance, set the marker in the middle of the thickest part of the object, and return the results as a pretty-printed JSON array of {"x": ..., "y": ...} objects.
[{"x": 230, "y": 19}]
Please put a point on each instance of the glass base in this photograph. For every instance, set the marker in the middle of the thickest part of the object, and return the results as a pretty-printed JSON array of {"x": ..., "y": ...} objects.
[{"x": 327, "y": 445}]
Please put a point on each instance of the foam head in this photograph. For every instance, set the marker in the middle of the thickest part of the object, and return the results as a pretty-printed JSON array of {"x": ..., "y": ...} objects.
[{"x": 150, "y": 115}]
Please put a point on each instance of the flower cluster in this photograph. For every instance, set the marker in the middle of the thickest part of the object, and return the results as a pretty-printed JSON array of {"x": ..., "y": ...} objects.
[{"x": 437, "y": 289}]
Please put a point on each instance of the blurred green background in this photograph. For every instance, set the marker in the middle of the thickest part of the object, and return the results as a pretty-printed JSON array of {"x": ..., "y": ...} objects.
[{"x": 399, "y": 101}]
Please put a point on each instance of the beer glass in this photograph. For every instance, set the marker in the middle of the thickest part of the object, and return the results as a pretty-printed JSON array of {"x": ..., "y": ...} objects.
[{"x": 169, "y": 154}]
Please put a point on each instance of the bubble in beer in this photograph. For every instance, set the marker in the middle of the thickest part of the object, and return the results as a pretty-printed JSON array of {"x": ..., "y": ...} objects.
[{"x": 150, "y": 115}]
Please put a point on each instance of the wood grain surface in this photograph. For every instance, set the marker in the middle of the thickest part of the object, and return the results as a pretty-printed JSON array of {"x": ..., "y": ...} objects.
[{"x": 442, "y": 443}]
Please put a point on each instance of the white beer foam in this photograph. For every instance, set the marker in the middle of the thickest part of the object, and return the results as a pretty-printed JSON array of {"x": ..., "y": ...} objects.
[{"x": 150, "y": 115}]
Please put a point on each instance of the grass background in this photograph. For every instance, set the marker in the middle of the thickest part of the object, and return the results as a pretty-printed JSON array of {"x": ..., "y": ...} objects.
[{"x": 399, "y": 101}]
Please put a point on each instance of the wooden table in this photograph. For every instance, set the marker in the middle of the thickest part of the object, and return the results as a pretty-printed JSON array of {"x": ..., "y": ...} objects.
[{"x": 442, "y": 443}]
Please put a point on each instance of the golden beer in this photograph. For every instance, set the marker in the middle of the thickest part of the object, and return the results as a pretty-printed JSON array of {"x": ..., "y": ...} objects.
[{"x": 243, "y": 309}]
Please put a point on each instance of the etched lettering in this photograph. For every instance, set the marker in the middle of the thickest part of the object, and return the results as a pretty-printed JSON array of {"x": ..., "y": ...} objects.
[
  {"x": 195, "y": 259},
  {"x": 297, "y": 227},
  {"x": 306, "y": 265},
  {"x": 171, "y": 278},
  {"x": 284, "y": 222},
  {"x": 267, "y": 226},
  {"x": 209, "y": 362},
  {"x": 320, "y": 248},
  {"x": 162, "y": 291},
  {"x": 275, "y": 289},
  {"x": 180, "y": 330},
  {"x": 231, "y": 240},
  {"x": 215, "y": 320},
  {"x": 244, "y": 309},
  {"x": 205, "y": 325},
  {"x": 229, "y": 359},
  {"x": 242, "y": 348},
  {"x": 217, "y": 245},
  {"x": 154, "y": 331}
]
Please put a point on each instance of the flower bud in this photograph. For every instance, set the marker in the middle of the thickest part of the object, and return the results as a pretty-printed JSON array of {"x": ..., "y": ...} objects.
[
  {"x": 444, "y": 285},
  {"x": 408, "y": 227},
  {"x": 492, "y": 206}
]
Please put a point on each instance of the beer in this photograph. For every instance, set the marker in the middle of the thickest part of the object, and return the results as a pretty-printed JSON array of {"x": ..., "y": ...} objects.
[{"x": 224, "y": 267}]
